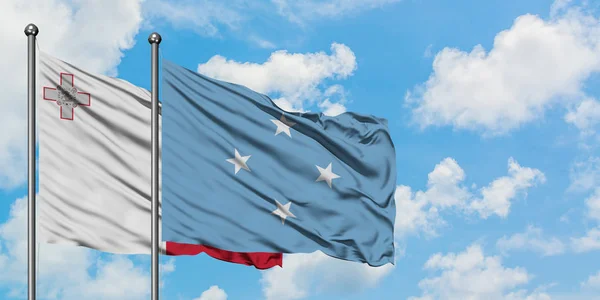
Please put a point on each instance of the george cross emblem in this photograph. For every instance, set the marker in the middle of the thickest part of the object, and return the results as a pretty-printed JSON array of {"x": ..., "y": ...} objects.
[{"x": 67, "y": 96}]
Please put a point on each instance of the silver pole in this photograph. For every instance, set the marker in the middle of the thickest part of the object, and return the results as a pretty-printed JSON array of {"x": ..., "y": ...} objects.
[
  {"x": 154, "y": 40},
  {"x": 31, "y": 32}
]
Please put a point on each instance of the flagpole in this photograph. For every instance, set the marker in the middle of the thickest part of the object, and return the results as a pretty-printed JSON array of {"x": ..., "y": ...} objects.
[
  {"x": 31, "y": 32},
  {"x": 154, "y": 40}
]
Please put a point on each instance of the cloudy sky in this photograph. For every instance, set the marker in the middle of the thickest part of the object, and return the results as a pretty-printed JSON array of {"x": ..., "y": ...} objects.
[{"x": 492, "y": 105}]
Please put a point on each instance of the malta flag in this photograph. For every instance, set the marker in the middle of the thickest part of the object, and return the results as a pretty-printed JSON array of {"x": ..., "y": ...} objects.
[{"x": 94, "y": 166}]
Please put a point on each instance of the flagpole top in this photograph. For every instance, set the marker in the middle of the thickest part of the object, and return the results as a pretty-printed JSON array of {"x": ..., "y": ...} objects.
[
  {"x": 31, "y": 29},
  {"x": 154, "y": 38}
]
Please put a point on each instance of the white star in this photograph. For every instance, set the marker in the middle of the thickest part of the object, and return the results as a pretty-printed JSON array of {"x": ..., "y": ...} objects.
[
  {"x": 283, "y": 211},
  {"x": 239, "y": 161},
  {"x": 327, "y": 175},
  {"x": 283, "y": 125}
]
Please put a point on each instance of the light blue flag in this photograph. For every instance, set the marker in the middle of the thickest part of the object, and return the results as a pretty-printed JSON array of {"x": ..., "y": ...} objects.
[{"x": 240, "y": 174}]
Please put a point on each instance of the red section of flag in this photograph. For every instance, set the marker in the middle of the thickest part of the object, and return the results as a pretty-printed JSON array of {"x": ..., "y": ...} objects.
[{"x": 260, "y": 260}]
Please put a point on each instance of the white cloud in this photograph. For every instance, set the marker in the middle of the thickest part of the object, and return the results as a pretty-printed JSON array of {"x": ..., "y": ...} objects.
[
  {"x": 593, "y": 205},
  {"x": 301, "y": 11},
  {"x": 335, "y": 107},
  {"x": 415, "y": 214},
  {"x": 585, "y": 175},
  {"x": 314, "y": 273},
  {"x": 168, "y": 267},
  {"x": 82, "y": 37},
  {"x": 262, "y": 43},
  {"x": 586, "y": 116},
  {"x": 202, "y": 16},
  {"x": 589, "y": 242},
  {"x": 472, "y": 275},
  {"x": 213, "y": 293},
  {"x": 593, "y": 282},
  {"x": 295, "y": 78},
  {"x": 65, "y": 272},
  {"x": 420, "y": 211},
  {"x": 524, "y": 295},
  {"x": 496, "y": 196},
  {"x": 533, "y": 65},
  {"x": 288, "y": 106},
  {"x": 214, "y": 18},
  {"x": 332, "y": 109},
  {"x": 532, "y": 239},
  {"x": 428, "y": 51},
  {"x": 443, "y": 185},
  {"x": 559, "y": 6},
  {"x": 108, "y": 282}
]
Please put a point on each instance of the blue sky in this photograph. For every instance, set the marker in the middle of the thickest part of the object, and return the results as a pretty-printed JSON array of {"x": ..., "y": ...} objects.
[{"x": 492, "y": 105}]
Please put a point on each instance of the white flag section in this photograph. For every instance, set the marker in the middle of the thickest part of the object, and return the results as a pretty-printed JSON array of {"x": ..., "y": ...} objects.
[{"x": 94, "y": 160}]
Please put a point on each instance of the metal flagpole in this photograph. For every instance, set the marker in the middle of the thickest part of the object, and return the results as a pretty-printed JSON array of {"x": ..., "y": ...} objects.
[
  {"x": 31, "y": 32},
  {"x": 154, "y": 40}
]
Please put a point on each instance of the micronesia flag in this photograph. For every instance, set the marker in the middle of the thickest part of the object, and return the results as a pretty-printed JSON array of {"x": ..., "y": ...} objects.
[{"x": 241, "y": 174}]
